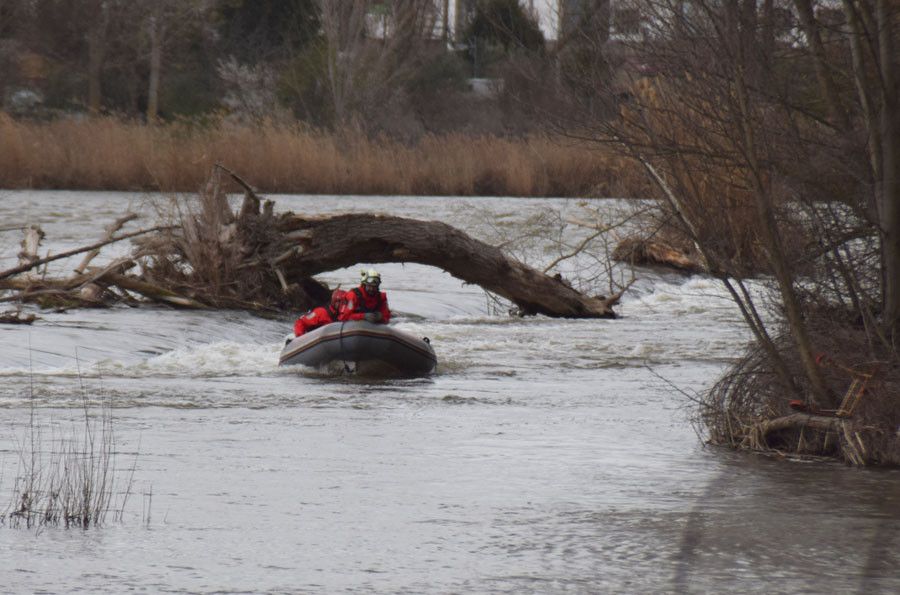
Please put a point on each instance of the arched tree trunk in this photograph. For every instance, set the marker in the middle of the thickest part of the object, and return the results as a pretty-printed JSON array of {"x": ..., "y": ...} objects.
[{"x": 325, "y": 244}]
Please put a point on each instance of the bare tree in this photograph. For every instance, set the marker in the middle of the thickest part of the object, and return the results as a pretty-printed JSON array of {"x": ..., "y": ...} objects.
[
  {"x": 368, "y": 55},
  {"x": 771, "y": 130},
  {"x": 166, "y": 22},
  {"x": 721, "y": 106},
  {"x": 881, "y": 44},
  {"x": 97, "y": 44}
]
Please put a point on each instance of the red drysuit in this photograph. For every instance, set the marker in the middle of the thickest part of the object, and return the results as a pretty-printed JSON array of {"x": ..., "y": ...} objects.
[
  {"x": 313, "y": 319},
  {"x": 322, "y": 315},
  {"x": 357, "y": 303}
]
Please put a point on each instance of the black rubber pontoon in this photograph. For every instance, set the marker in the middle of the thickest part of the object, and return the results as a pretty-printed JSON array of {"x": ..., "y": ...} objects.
[{"x": 361, "y": 342}]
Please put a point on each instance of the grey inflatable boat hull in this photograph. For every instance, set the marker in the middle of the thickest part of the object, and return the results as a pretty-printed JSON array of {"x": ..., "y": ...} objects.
[{"x": 361, "y": 342}]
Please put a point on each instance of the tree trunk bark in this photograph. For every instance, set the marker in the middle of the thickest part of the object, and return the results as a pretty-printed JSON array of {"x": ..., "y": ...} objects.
[
  {"x": 155, "y": 69},
  {"x": 889, "y": 185},
  {"x": 771, "y": 237},
  {"x": 96, "y": 41},
  {"x": 445, "y": 21},
  {"x": 331, "y": 243},
  {"x": 832, "y": 97},
  {"x": 858, "y": 50},
  {"x": 797, "y": 421},
  {"x": 31, "y": 243}
]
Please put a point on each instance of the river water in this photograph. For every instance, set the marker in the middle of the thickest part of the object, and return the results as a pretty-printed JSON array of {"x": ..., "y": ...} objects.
[{"x": 545, "y": 456}]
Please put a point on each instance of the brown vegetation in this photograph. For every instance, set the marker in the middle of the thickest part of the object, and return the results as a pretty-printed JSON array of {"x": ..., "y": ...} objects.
[
  {"x": 70, "y": 480},
  {"x": 778, "y": 156},
  {"x": 747, "y": 408},
  {"x": 112, "y": 154}
]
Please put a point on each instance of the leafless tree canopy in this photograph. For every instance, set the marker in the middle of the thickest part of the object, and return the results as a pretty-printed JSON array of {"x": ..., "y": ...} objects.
[{"x": 771, "y": 129}]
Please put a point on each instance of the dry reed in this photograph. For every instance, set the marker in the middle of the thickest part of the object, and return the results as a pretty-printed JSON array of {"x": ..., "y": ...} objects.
[
  {"x": 114, "y": 154},
  {"x": 68, "y": 480}
]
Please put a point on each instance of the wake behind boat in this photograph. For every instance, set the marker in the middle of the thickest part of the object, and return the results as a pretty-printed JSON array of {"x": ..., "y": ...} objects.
[{"x": 361, "y": 342}]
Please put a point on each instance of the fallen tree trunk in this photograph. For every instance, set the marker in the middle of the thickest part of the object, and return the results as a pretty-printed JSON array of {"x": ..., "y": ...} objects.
[
  {"x": 250, "y": 258},
  {"x": 153, "y": 292},
  {"x": 323, "y": 244}
]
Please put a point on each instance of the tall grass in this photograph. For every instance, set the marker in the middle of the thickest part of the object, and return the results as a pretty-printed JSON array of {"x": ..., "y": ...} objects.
[
  {"x": 113, "y": 154},
  {"x": 66, "y": 480},
  {"x": 69, "y": 479}
]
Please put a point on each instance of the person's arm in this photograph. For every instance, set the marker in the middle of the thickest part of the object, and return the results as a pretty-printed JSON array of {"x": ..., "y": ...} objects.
[
  {"x": 321, "y": 317},
  {"x": 311, "y": 320},
  {"x": 299, "y": 326},
  {"x": 348, "y": 310},
  {"x": 385, "y": 311},
  {"x": 383, "y": 314}
]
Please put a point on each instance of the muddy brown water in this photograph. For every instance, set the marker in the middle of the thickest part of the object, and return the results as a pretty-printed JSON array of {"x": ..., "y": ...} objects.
[{"x": 545, "y": 456}]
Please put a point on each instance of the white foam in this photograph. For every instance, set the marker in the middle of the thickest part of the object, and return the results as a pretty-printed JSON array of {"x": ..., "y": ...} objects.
[{"x": 224, "y": 358}]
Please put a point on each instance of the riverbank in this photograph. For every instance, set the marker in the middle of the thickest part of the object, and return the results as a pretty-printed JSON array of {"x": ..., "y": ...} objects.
[{"x": 114, "y": 154}]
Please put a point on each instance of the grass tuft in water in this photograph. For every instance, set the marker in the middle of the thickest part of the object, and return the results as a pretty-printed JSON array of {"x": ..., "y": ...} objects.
[{"x": 69, "y": 479}]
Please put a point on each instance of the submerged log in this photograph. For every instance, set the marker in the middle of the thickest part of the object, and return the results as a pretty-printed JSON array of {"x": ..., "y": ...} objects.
[
  {"x": 639, "y": 251},
  {"x": 153, "y": 292},
  {"x": 16, "y": 317},
  {"x": 840, "y": 429},
  {"x": 318, "y": 245},
  {"x": 798, "y": 421}
]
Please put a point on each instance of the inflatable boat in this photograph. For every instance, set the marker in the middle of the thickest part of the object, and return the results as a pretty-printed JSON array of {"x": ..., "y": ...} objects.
[{"x": 368, "y": 347}]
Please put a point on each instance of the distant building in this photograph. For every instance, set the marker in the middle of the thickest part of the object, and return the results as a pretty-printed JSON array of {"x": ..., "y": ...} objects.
[{"x": 452, "y": 17}]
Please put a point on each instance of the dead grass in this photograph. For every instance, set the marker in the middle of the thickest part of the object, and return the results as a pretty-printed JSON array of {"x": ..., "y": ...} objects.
[
  {"x": 68, "y": 479},
  {"x": 114, "y": 154}
]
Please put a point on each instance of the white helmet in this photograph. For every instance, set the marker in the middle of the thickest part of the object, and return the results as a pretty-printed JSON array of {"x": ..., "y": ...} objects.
[{"x": 370, "y": 277}]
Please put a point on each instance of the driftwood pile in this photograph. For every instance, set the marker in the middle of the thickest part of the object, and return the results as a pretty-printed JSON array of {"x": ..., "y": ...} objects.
[
  {"x": 211, "y": 255},
  {"x": 638, "y": 251}
]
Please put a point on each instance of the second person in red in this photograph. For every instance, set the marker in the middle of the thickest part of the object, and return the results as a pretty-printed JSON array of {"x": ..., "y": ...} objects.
[{"x": 322, "y": 315}]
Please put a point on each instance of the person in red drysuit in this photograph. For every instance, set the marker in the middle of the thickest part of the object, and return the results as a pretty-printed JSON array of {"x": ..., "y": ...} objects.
[
  {"x": 366, "y": 302},
  {"x": 320, "y": 316}
]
